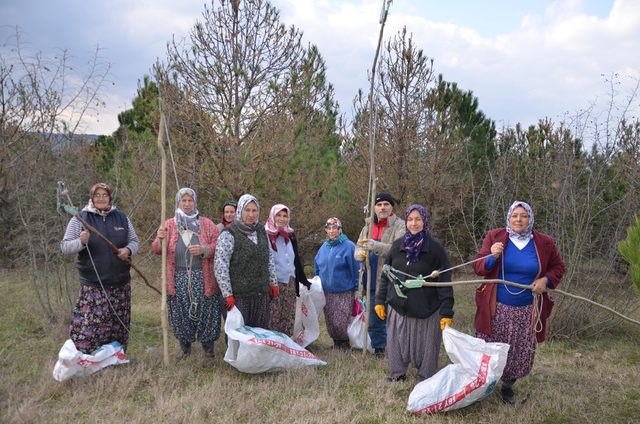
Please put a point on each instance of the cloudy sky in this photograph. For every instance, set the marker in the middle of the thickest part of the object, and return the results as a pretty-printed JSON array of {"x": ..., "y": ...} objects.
[{"x": 523, "y": 59}]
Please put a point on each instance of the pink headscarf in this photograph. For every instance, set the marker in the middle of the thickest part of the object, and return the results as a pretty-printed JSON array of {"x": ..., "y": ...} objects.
[{"x": 272, "y": 229}]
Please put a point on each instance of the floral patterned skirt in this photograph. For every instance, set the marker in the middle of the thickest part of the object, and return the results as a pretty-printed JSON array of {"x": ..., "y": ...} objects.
[
  {"x": 193, "y": 317},
  {"x": 97, "y": 320},
  {"x": 512, "y": 325},
  {"x": 337, "y": 314},
  {"x": 283, "y": 308}
]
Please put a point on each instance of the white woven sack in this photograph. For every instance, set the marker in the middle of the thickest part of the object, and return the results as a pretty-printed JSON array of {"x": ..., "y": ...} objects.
[
  {"x": 356, "y": 331},
  {"x": 309, "y": 304},
  {"x": 476, "y": 367},
  {"x": 73, "y": 363},
  {"x": 255, "y": 350}
]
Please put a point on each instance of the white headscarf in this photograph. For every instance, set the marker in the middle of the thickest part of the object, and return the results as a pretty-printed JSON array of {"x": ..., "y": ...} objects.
[
  {"x": 183, "y": 220},
  {"x": 243, "y": 201},
  {"x": 526, "y": 235}
]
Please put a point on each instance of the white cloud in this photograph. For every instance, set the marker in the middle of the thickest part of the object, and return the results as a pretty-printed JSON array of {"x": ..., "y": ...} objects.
[{"x": 523, "y": 65}]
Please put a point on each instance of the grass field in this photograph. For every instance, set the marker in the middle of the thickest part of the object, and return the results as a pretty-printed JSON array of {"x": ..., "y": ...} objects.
[{"x": 573, "y": 381}]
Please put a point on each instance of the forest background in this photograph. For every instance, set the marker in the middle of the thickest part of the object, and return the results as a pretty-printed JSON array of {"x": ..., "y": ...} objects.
[{"x": 249, "y": 109}]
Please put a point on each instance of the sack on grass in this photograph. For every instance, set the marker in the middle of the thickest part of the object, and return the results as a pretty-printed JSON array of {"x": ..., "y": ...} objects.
[
  {"x": 309, "y": 304},
  {"x": 255, "y": 350},
  {"x": 475, "y": 369},
  {"x": 356, "y": 329},
  {"x": 73, "y": 363}
]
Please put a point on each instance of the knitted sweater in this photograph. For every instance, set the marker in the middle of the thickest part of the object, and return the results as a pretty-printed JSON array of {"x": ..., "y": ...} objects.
[{"x": 208, "y": 238}]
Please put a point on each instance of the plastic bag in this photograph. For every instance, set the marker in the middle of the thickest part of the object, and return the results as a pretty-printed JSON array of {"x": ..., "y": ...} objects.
[
  {"x": 73, "y": 363},
  {"x": 356, "y": 329},
  {"x": 254, "y": 350},
  {"x": 309, "y": 304},
  {"x": 475, "y": 369}
]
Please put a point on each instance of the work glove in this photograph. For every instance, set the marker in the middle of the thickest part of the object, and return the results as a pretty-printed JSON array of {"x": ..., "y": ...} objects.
[
  {"x": 231, "y": 302},
  {"x": 369, "y": 245},
  {"x": 380, "y": 311},
  {"x": 274, "y": 291},
  {"x": 444, "y": 322}
]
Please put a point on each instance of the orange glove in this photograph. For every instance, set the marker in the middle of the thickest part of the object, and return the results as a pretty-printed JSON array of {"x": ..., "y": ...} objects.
[
  {"x": 231, "y": 302},
  {"x": 444, "y": 322},
  {"x": 274, "y": 291},
  {"x": 380, "y": 311}
]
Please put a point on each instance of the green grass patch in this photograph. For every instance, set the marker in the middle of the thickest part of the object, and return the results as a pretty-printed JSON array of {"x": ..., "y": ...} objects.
[{"x": 572, "y": 381}]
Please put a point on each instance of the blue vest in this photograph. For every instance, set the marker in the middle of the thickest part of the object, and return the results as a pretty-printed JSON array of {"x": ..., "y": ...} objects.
[{"x": 112, "y": 271}]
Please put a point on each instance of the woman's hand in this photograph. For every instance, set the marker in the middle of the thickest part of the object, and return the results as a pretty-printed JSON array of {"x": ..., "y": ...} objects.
[
  {"x": 539, "y": 286},
  {"x": 123, "y": 254},
  {"x": 231, "y": 302},
  {"x": 162, "y": 232},
  {"x": 444, "y": 322},
  {"x": 274, "y": 291},
  {"x": 497, "y": 249},
  {"x": 84, "y": 237},
  {"x": 196, "y": 250}
]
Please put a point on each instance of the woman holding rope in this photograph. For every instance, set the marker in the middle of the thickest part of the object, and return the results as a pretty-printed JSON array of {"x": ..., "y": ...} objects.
[
  {"x": 102, "y": 311},
  {"x": 193, "y": 296},
  {"x": 518, "y": 317},
  {"x": 417, "y": 314}
]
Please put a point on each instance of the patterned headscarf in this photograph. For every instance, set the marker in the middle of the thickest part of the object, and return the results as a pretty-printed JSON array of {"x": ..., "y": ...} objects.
[
  {"x": 183, "y": 219},
  {"x": 335, "y": 221},
  {"x": 526, "y": 234},
  {"x": 413, "y": 242},
  {"x": 272, "y": 229},
  {"x": 244, "y": 200}
]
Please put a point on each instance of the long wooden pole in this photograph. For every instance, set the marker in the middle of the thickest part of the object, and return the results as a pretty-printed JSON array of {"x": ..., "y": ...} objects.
[
  {"x": 372, "y": 168},
  {"x": 163, "y": 242}
]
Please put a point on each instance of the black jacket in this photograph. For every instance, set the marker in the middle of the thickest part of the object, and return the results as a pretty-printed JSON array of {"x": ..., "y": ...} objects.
[
  {"x": 301, "y": 278},
  {"x": 424, "y": 301}
]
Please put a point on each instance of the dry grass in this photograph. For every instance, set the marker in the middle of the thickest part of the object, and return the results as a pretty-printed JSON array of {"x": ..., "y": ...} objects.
[{"x": 573, "y": 380}]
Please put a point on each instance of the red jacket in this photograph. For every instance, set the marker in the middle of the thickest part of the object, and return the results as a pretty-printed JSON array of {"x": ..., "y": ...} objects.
[
  {"x": 208, "y": 237},
  {"x": 550, "y": 264}
]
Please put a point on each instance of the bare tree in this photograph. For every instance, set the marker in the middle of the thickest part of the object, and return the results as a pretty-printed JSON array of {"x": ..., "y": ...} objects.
[
  {"x": 228, "y": 75},
  {"x": 402, "y": 122},
  {"x": 43, "y": 102}
]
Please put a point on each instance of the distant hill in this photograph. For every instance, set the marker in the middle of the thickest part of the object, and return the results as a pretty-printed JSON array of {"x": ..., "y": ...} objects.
[{"x": 63, "y": 140}]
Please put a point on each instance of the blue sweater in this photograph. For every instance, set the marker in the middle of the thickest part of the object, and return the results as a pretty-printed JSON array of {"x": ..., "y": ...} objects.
[
  {"x": 520, "y": 266},
  {"x": 337, "y": 267}
]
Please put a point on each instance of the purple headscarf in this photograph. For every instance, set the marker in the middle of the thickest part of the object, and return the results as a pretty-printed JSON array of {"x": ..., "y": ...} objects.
[
  {"x": 413, "y": 242},
  {"x": 526, "y": 234}
]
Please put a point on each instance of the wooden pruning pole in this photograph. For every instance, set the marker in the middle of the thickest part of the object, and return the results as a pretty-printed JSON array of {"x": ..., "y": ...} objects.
[
  {"x": 163, "y": 242},
  {"x": 372, "y": 169}
]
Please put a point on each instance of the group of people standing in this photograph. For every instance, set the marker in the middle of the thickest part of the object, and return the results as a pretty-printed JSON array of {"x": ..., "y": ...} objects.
[
  {"x": 210, "y": 268},
  {"x": 257, "y": 268}
]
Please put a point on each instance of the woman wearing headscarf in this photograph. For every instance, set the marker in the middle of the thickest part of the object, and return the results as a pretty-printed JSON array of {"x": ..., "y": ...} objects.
[
  {"x": 506, "y": 314},
  {"x": 417, "y": 314},
  {"x": 289, "y": 269},
  {"x": 193, "y": 297},
  {"x": 244, "y": 265},
  {"x": 338, "y": 271},
  {"x": 102, "y": 311},
  {"x": 228, "y": 214}
]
